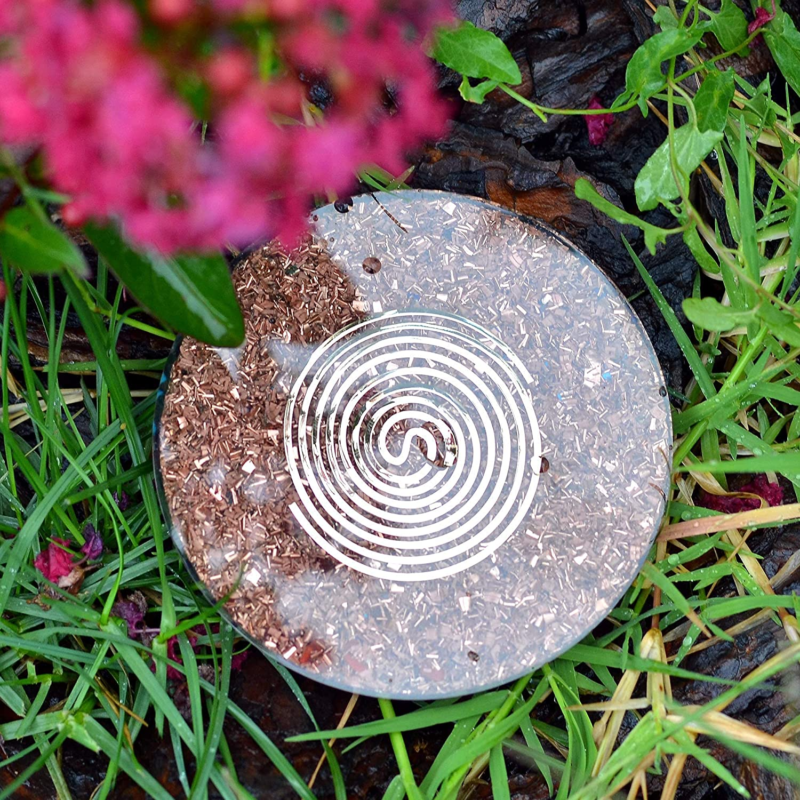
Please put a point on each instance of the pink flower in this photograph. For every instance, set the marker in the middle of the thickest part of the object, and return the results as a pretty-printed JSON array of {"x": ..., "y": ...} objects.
[
  {"x": 230, "y": 71},
  {"x": 771, "y": 492},
  {"x": 76, "y": 82},
  {"x": 598, "y": 125},
  {"x": 55, "y": 562},
  {"x": 20, "y": 119},
  {"x": 762, "y": 18},
  {"x": 171, "y": 12}
]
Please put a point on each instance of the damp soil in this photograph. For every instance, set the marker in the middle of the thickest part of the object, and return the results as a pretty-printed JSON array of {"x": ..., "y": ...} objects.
[{"x": 568, "y": 51}]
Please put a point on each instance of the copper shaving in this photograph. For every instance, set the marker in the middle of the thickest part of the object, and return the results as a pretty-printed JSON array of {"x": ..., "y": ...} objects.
[{"x": 223, "y": 462}]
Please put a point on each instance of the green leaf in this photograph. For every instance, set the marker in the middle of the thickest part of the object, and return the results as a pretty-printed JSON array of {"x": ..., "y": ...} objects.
[
  {"x": 395, "y": 790},
  {"x": 33, "y": 244},
  {"x": 731, "y": 200},
  {"x": 783, "y": 39},
  {"x": 713, "y": 99},
  {"x": 729, "y": 25},
  {"x": 476, "y": 94},
  {"x": 476, "y": 53},
  {"x": 773, "y": 316},
  {"x": 192, "y": 293},
  {"x": 711, "y": 315},
  {"x": 792, "y": 265},
  {"x": 787, "y": 333},
  {"x": 760, "y": 110},
  {"x": 664, "y": 18},
  {"x": 656, "y": 181},
  {"x": 652, "y": 234},
  {"x": 695, "y": 243},
  {"x": 643, "y": 77}
]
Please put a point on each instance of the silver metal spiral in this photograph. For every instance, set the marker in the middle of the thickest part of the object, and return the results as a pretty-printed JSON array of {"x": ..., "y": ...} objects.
[{"x": 412, "y": 444}]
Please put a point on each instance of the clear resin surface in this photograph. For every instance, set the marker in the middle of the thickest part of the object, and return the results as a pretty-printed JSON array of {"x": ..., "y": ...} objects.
[{"x": 438, "y": 459}]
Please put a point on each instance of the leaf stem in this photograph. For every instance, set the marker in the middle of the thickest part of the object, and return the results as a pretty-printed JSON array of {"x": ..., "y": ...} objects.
[{"x": 542, "y": 111}]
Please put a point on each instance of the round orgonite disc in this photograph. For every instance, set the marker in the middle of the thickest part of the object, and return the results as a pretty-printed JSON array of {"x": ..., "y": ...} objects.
[{"x": 437, "y": 461}]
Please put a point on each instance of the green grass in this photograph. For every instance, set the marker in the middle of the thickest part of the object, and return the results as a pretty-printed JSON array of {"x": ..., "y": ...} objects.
[
  {"x": 739, "y": 413},
  {"x": 73, "y": 646}
]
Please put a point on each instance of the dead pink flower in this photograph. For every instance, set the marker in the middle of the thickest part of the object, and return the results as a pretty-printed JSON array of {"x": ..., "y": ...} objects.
[
  {"x": 55, "y": 562},
  {"x": 121, "y": 499},
  {"x": 58, "y": 566},
  {"x": 762, "y": 18},
  {"x": 771, "y": 492},
  {"x": 598, "y": 125},
  {"x": 173, "y": 654},
  {"x": 238, "y": 660}
]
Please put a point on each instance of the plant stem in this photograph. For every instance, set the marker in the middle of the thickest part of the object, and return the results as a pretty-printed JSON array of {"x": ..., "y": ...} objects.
[
  {"x": 541, "y": 111},
  {"x": 400, "y": 753}
]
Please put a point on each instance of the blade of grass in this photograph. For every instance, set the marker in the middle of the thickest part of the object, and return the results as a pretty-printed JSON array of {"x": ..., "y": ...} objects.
[{"x": 699, "y": 370}]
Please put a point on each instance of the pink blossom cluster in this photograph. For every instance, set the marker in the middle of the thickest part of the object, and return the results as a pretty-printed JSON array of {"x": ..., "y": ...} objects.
[{"x": 117, "y": 137}]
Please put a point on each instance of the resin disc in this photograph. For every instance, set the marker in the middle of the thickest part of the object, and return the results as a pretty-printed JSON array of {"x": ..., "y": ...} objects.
[{"x": 438, "y": 459}]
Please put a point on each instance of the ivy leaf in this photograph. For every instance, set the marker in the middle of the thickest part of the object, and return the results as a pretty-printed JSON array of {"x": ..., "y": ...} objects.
[
  {"x": 729, "y": 25},
  {"x": 711, "y": 315},
  {"x": 783, "y": 39},
  {"x": 476, "y": 53},
  {"x": 656, "y": 181},
  {"x": 643, "y": 77},
  {"x": 713, "y": 99},
  {"x": 695, "y": 244},
  {"x": 33, "y": 244},
  {"x": 194, "y": 294},
  {"x": 653, "y": 235},
  {"x": 476, "y": 94},
  {"x": 664, "y": 18}
]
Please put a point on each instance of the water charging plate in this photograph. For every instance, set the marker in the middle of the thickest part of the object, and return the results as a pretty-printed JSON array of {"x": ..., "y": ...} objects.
[{"x": 439, "y": 458}]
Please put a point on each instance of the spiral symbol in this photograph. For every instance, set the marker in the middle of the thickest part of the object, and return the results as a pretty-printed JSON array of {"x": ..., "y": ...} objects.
[{"x": 412, "y": 444}]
